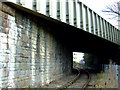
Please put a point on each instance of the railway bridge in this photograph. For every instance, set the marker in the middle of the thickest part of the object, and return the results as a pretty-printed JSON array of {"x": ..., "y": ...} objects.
[{"x": 37, "y": 38}]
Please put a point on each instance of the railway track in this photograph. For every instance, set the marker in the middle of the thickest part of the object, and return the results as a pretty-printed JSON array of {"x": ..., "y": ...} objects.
[
  {"x": 81, "y": 74},
  {"x": 89, "y": 79}
]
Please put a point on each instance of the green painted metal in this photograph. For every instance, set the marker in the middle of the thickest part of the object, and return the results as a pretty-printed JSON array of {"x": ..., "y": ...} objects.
[
  {"x": 101, "y": 27},
  {"x": 109, "y": 28},
  {"x": 92, "y": 23},
  {"x": 87, "y": 19},
  {"x": 107, "y": 24},
  {"x": 105, "y": 31},
  {"x": 76, "y": 14},
  {"x": 115, "y": 35},
  {"x": 97, "y": 25},
  {"x": 81, "y": 14}
]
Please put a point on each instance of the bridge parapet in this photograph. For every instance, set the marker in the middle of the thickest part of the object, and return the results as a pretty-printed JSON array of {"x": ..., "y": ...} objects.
[{"x": 75, "y": 13}]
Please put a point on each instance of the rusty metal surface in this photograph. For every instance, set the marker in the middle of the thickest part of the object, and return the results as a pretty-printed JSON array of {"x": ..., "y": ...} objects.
[{"x": 71, "y": 82}]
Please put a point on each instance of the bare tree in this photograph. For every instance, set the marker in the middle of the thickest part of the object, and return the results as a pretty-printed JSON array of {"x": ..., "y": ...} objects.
[{"x": 114, "y": 10}]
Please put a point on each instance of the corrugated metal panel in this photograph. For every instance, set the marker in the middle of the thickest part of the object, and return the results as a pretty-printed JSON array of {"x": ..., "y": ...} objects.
[
  {"x": 74, "y": 13},
  {"x": 77, "y": 14},
  {"x": 41, "y": 6}
]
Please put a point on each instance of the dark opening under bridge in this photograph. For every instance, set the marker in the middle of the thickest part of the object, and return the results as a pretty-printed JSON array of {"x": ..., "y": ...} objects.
[{"x": 41, "y": 36}]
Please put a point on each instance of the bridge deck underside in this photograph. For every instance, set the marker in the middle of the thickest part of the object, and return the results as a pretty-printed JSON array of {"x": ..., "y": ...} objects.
[
  {"x": 74, "y": 13},
  {"x": 77, "y": 39},
  {"x": 81, "y": 41}
]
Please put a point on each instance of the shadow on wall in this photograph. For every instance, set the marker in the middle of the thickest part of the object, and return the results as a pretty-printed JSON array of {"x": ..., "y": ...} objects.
[{"x": 30, "y": 54}]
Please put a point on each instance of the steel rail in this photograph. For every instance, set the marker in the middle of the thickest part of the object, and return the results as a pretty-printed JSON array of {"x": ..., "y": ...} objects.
[
  {"x": 89, "y": 79},
  {"x": 76, "y": 78},
  {"x": 70, "y": 82}
]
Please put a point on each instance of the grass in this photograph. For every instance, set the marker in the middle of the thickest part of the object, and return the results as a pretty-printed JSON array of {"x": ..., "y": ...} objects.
[
  {"x": 75, "y": 63},
  {"x": 100, "y": 76},
  {"x": 107, "y": 79}
]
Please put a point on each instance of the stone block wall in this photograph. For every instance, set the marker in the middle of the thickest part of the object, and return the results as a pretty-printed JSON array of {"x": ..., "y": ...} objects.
[{"x": 30, "y": 54}]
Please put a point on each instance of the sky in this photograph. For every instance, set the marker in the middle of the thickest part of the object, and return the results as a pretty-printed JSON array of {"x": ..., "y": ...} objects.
[
  {"x": 78, "y": 56},
  {"x": 98, "y": 6}
]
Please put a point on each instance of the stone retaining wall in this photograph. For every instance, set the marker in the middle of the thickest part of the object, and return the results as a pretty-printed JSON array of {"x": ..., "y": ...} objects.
[{"x": 30, "y": 54}]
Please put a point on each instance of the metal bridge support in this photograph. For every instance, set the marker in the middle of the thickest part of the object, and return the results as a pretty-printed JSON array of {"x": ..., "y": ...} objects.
[{"x": 75, "y": 13}]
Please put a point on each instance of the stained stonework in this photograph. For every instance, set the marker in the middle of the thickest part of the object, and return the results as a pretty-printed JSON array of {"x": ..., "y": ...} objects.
[{"x": 29, "y": 53}]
